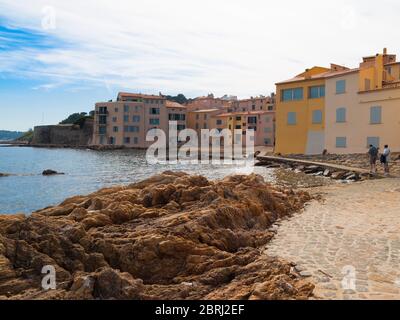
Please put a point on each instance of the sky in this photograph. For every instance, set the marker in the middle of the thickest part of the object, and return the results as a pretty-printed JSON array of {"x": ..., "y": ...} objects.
[{"x": 58, "y": 57}]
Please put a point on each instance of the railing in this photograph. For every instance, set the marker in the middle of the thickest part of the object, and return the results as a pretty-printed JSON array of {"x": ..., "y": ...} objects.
[{"x": 392, "y": 85}]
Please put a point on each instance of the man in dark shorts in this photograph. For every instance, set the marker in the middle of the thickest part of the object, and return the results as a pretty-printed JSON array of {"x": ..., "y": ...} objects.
[{"x": 373, "y": 157}]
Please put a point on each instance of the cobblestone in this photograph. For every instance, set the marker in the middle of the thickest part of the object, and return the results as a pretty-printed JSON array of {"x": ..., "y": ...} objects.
[{"x": 351, "y": 240}]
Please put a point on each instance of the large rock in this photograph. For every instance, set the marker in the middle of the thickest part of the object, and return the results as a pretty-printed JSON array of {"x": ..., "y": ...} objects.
[{"x": 172, "y": 236}]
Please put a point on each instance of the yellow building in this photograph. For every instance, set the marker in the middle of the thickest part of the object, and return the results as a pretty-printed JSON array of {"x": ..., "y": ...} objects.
[{"x": 300, "y": 111}]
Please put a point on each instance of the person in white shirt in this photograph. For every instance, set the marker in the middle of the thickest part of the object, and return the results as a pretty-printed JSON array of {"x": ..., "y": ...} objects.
[{"x": 386, "y": 155}]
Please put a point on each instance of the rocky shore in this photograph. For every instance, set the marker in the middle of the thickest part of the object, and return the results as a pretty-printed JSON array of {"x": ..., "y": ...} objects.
[
  {"x": 173, "y": 236},
  {"x": 354, "y": 160}
]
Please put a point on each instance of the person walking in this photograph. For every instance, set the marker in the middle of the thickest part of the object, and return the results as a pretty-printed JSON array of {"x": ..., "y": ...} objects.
[
  {"x": 373, "y": 157},
  {"x": 386, "y": 158}
]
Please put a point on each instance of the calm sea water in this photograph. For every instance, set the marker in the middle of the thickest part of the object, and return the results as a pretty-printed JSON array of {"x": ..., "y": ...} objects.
[{"x": 85, "y": 171}]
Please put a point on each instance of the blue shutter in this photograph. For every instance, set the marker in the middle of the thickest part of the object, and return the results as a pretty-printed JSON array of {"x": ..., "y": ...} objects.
[
  {"x": 317, "y": 117},
  {"x": 341, "y": 142},
  {"x": 298, "y": 94},
  {"x": 341, "y": 115},
  {"x": 375, "y": 141},
  {"x": 291, "y": 120},
  {"x": 287, "y": 95},
  {"x": 376, "y": 115},
  {"x": 340, "y": 86}
]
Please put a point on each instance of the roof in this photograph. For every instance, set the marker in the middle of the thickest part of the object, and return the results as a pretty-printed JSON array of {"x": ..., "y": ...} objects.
[
  {"x": 205, "y": 110},
  {"x": 139, "y": 95},
  {"x": 323, "y": 75},
  {"x": 244, "y": 113},
  {"x": 172, "y": 104}
]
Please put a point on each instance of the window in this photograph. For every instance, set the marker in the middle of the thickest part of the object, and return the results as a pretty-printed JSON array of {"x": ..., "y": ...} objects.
[
  {"x": 102, "y": 130},
  {"x": 114, "y": 119},
  {"x": 176, "y": 117},
  {"x": 267, "y": 119},
  {"x": 238, "y": 127},
  {"x": 126, "y": 108},
  {"x": 137, "y": 108},
  {"x": 204, "y": 125},
  {"x": 116, "y": 109},
  {"x": 197, "y": 116},
  {"x": 131, "y": 129},
  {"x": 340, "y": 86},
  {"x": 252, "y": 120},
  {"x": 340, "y": 115},
  {"x": 291, "y": 118},
  {"x": 292, "y": 94},
  {"x": 375, "y": 141},
  {"x": 155, "y": 121},
  {"x": 103, "y": 110},
  {"x": 341, "y": 142},
  {"x": 136, "y": 119},
  {"x": 111, "y": 140},
  {"x": 316, "y": 92},
  {"x": 115, "y": 129},
  {"x": 127, "y": 140},
  {"x": 154, "y": 110},
  {"x": 238, "y": 118},
  {"x": 376, "y": 115},
  {"x": 103, "y": 119},
  {"x": 317, "y": 117},
  {"x": 126, "y": 118},
  {"x": 267, "y": 141},
  {"x": 270, "y": 108},
  {"x": 181, "y": 127},
  {"x": 267, "y": 130},
  {"x": 135, "y": 140},
  {"x": 219, "y": 122},
  {"x": 205, "y": 116}
]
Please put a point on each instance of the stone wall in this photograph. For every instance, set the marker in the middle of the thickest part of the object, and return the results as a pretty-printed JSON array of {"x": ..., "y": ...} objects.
[{"x": 66, "y": 135}]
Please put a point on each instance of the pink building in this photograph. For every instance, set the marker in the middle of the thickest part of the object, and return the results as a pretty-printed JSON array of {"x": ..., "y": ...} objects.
[{"x": 126, "y": 121}]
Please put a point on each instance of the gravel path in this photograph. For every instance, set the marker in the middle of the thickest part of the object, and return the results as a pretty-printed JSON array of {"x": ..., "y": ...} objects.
[{"x": 349, "y": 243}]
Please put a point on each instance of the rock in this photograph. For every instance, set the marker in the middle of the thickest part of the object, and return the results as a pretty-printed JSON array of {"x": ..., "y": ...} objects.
[
  {"x": 154, "y": 240},
  {"x": 312, "y": 169},
  {"x": 338, "y": 175},
  {"x": 49, "y": 172},
  {"x": 327, "y": 173}
]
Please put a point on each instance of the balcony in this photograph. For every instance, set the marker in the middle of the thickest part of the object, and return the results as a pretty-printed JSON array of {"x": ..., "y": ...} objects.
[{"x": 391, "y": 85}]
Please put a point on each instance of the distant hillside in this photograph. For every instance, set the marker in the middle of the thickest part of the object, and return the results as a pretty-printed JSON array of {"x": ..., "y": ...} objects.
[{"x": 10, "y": 135}]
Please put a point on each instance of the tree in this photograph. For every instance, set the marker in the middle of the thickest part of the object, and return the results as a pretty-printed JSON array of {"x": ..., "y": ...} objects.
[
  {"x": 73, "y": 118},
  {"x": 180, "y": 98}
]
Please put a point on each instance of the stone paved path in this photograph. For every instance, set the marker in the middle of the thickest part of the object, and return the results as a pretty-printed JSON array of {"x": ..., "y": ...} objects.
[{"x": 349, "y": 243}]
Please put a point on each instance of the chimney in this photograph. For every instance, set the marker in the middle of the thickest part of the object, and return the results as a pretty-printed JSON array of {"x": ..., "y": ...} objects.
[{"x": 384, "y": 51}]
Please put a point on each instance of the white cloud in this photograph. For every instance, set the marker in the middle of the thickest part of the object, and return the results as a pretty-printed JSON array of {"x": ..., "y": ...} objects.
[{"x": 224, "y": 46}]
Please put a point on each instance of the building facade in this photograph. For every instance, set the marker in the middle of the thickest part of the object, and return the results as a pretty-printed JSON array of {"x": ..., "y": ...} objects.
[
  {"x": 126, "y": 121},
  {"x": 367, "y": 111},
  {"x": 300, "y": 111}
]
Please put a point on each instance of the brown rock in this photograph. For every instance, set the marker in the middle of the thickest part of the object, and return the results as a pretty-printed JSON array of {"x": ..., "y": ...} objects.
[{"x": 172, "y": 236}]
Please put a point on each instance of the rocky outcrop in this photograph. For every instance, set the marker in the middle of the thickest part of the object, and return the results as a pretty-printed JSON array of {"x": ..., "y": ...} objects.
[
  {"x": 173, "y": 236},
  {"x": 50, "y": 172}
]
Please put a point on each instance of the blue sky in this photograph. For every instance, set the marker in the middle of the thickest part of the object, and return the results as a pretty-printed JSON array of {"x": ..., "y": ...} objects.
[{"x": 59, "y": 57}]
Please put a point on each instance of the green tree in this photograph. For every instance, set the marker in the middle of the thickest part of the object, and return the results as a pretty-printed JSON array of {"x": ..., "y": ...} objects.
[{"x": 74, "y": 118}]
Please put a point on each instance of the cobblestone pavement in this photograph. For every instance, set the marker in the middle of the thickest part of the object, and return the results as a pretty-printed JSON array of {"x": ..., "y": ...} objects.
[{"x": 348, "y": 243}]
